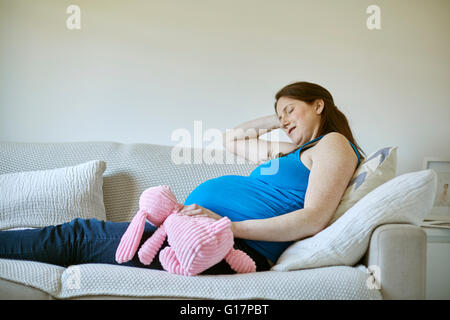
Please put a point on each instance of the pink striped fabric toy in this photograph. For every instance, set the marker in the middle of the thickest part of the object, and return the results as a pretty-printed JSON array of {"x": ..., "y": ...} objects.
[{"x": 195, "y": 243}]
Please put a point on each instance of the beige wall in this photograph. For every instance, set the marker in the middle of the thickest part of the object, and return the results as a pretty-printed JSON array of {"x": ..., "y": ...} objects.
[{"x": 139, "y": 70}]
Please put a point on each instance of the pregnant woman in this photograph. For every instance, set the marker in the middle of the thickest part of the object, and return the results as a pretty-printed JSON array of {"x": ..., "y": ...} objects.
[{"x": 269, "y": 209}]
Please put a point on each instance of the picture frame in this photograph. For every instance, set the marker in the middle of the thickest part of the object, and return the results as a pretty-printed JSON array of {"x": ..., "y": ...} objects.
[{"x": 441, "y": 205}]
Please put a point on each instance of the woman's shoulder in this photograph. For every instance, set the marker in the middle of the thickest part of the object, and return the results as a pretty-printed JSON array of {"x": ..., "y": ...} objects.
[
  {"x": 333, "y": 138},
  {"x": 334, "y": 144}
]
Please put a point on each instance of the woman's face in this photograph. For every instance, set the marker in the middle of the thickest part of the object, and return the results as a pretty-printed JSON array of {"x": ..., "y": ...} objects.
[{"x": 303, "y": 118}]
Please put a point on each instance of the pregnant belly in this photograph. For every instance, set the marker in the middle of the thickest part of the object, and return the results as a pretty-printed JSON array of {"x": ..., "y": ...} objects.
[{"x": 242, "y": 198}]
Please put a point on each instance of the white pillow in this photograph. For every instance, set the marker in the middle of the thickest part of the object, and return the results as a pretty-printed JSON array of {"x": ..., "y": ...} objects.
[
  {"x": 405, "y": 199},
  {"x": 49, "y": 197},
  {"x": 378, "y": 168}
]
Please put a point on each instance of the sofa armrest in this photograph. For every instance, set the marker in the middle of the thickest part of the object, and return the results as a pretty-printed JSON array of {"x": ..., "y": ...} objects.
[{"x": 397, "y": 257}]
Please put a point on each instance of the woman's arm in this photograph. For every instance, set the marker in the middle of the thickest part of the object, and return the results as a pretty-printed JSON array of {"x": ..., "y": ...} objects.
[
  {"x": 244, "y": 140},
  {"x": 252, "y": 129},
  {"x": 291, "y": 226},
  {"x": 334, "y": 163}
]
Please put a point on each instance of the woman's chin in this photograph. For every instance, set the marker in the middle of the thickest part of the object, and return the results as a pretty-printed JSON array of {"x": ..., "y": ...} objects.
[
  {"x": 298, "y": 141},
  {"x": 294, "y": 139}
]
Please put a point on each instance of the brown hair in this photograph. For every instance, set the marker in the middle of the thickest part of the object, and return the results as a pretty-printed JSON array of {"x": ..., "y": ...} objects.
[{"x": 332, "y": 119}]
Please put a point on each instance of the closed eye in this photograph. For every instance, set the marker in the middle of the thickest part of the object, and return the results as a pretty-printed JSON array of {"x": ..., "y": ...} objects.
[{"x": 290, "y": 111}]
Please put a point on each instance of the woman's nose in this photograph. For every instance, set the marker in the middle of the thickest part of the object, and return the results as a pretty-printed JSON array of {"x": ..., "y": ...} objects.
[{"x": 284, "y": 123}]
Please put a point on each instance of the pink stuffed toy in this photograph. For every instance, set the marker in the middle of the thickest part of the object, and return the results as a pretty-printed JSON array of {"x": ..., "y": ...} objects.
[{"x": 195, "y": 243}]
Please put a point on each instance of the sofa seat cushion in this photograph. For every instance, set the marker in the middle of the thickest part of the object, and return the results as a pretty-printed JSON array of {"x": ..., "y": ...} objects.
[
  {"x": 338, "y": 282},
  {"x": 42, "y": 276}
]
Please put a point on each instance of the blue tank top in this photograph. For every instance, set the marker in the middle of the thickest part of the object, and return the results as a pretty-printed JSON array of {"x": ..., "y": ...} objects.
[{"x": 275, "y": 187}]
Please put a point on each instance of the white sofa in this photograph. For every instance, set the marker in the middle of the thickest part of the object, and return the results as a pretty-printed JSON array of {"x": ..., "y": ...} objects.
[{"x": 398, "y": 250}]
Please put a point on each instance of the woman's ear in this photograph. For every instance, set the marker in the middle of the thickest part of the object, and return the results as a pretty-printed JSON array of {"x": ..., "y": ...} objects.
[{"x": 319, "y": 105}]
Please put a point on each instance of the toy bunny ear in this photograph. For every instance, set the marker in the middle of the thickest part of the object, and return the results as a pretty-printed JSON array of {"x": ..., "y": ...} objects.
[{"x": 131, "y": 238}]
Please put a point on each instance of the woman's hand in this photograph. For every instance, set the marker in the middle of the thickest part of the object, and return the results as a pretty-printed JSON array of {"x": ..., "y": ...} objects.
[{"x": 196, "y": 210}]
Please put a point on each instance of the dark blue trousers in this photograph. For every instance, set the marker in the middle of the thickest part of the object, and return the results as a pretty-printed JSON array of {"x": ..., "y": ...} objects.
[{"x": 91, "y": 241}]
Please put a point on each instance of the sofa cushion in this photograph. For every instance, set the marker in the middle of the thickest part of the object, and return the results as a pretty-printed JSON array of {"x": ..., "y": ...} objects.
[
  {"x": 49, "y": 197},
  {"x": 38, "y": 275},
  {"x": 131, "y": 168},
  {"x": 405, "y": 199},
  {"x": 378, "y": 168},
  {"x": 112, "y": 280}
]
